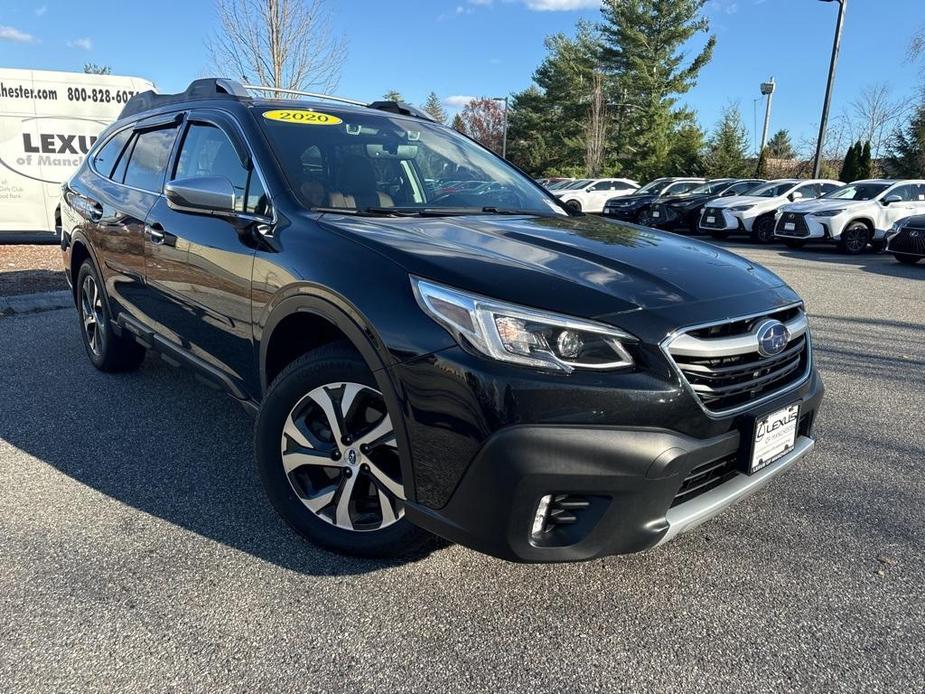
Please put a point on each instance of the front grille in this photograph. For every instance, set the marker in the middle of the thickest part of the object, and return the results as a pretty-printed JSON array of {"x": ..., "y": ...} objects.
[
  {"x": 719, "y": 221},
  {"x": 705, "y": 477},
  {"x": 723, "y": 366},
  {"x": 798, "y": 220},
  {"x": 910, "y": 240}
]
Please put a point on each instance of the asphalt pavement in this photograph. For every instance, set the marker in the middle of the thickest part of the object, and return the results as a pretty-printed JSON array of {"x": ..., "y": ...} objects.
[{"x": 138, "y": 553}]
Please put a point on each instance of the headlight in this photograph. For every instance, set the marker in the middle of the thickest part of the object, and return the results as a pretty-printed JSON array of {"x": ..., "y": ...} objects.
[
  {"x": 742, "y": 208},
  {"x": 523, "y": 335},
  {"x": 896, "y": 228},
  {"x": 827, "y": 213}
]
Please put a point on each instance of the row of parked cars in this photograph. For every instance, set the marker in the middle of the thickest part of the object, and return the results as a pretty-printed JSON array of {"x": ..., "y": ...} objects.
[{"x": 875, "y": 213}]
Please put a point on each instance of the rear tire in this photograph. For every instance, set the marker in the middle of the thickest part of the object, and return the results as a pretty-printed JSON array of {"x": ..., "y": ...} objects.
[
  {"x": 763, "y": 229},
  {"x": 795, "y": 244},
  {"x": 573, "y": 205},
  {"x": 308, "y": 465},
  {"x": 107, "y": 351},
  {"x": 907, "y": 259},
  {"x": 854, "y": 239}
]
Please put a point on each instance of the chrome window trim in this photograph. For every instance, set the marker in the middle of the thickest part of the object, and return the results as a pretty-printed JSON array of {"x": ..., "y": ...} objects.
[{"x": 721, "y": 414}]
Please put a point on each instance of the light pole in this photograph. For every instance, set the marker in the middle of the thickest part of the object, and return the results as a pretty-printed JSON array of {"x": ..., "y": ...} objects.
[
  {"x": 767, "y": 88},
  {"x": 817, "y": 164},
  {"x": 504, "y": 136}
]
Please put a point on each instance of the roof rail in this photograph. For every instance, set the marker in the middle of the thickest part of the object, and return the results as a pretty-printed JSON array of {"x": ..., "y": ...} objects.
[
  {"x": 208, "y": 88},
  {"x": 296, "y": 92},
  {"x": 399, "y": 107}
]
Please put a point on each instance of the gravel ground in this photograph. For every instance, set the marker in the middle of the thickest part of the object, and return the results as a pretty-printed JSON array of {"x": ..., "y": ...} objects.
[
  {"x": 30, "y": 269},
  {"x": 137, "y": 552}
]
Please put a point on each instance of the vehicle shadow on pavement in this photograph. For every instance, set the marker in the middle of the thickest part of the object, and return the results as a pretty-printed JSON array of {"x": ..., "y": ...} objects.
[
  {"x": 155, "y": 439},
  {"x": 876, "y": 263}
]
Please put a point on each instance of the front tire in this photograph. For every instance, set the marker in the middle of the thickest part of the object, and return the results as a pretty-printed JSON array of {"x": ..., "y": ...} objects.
[
  {"x": 107, "y": 351},
  {"x": 763, "y": 230},
  {"x": 907, "y": 259},
  {"x": 854, "y": 239},
  {"x": 573, "y": 205},
  {"x": 327, "y": 454}
]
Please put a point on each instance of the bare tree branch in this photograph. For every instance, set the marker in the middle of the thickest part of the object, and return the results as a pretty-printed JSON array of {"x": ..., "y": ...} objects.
[{"x": 287, "y": 44}]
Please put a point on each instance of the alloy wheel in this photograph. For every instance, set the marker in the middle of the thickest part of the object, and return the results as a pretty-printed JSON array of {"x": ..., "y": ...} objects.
[
  {"x": 91, "y": 311},
  {"x": 855, "y": 240},
  {"x": 340, "y": 457}
]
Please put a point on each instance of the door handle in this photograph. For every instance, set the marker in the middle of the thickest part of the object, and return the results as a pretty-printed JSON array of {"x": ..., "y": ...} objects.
[{"x": 154, "y": 233}]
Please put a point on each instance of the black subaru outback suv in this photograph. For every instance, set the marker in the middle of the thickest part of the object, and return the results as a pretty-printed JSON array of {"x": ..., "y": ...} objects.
[{"x": 482, "y": 364}]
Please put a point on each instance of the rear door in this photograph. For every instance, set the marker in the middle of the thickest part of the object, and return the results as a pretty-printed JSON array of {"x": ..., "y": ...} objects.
[{"x": 202, "y": 264}]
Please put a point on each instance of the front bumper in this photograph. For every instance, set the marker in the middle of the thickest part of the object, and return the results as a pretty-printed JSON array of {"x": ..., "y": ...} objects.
[
  {"x": 624, "y": 214},
  {"x": 727, "y": 221},
  {"x": 629, "y": 478}
]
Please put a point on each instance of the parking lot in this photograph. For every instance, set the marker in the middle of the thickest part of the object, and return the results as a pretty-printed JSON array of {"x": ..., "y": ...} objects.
[{"x": 137, "y": 551}]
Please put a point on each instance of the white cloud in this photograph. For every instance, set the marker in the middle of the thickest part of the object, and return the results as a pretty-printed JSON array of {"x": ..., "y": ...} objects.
[
  {"x": 84, "y": 43},
  {"x": 13, "y": 34},
  {"x": 39, "y": 11},
  {"x": 458, "y": 101}
]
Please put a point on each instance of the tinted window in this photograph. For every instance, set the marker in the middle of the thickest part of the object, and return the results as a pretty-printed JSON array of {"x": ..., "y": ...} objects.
[
  {"x": 105, "y": 160},
  {"x": 207, "y": 151},
  {"x": 742, "y": 186},
  {"x": 148, "y": 164},
  {"x": 913, "y": 192},
  {"x": 810, "y": 191},
  {"x": 682, "y": 187},
  {"x": 829, "y": 187},
  {"x": 772, "y": 190}
]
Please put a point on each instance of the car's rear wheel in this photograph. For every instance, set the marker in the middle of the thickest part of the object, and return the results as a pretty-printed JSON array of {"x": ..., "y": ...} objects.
[
  {"x": 907, "y": 259},
  {"x": 107, "y": 351},
  {"x": 327, "y": 453},
  {"x": 573, "y": 205},
  {"x": 763, "y": 229},
  {"x": 854, "y": 239},
  {"x": 794, "y": 243}
]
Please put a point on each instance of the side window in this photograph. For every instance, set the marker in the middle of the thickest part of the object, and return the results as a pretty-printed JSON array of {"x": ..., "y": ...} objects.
[
  {"x": 207, "y": 151},
  {"x": 918, "y": 192},
  {"x": 603, "y": 185},
  {"x": 148, "y": 163},
  {"x": 740, "y": 188},
  {"x": 829, "y": 187},
  {"x": 906, "y": 192},
  {"x": 808, "y": 191},
  {"x": 622, "y": 186},
  {"x": 105, "y": 160}
]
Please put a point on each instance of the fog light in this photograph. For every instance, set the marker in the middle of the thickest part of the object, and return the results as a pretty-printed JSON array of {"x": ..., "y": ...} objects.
[{"x": 539, "y": 519}]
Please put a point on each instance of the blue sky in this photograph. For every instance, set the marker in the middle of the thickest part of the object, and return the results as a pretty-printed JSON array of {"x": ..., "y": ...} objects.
[{"x": 490, "y": 47}]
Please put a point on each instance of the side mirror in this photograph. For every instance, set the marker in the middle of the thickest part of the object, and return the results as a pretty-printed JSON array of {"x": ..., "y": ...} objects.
[
  {"x": 205, "y": 195},
  {"x": 795, "y": 195},
  {"x": 890, "y": 199}
]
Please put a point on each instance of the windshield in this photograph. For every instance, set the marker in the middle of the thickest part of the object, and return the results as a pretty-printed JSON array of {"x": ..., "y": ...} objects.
[
  {"x": 378, "y": 163},
  {"x": 654, "y": 187},
  {"x": 711, "y": 187},
  {"x": 858, "y": 191},
  {"x": 559, "y": 185},
  {"x": 772, "y": 190},
  {"x": 575, "y": 185}
]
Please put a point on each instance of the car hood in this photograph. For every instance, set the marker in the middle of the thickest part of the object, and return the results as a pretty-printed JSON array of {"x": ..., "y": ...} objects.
[
  {"x": 585, "y": 266},
  {"x": 822, "y": 205},
  {"x": 634, "y": 199},
  {"x": 685, "y": 200},
  {"x": 736, "y": 200}
]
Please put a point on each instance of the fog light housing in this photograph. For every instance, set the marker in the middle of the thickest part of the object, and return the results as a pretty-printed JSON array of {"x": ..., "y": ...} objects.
[{"x": 539, "y": 518}]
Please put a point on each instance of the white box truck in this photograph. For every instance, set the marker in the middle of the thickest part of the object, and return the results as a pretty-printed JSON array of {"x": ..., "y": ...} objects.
[{"x": 48, "y": 122}]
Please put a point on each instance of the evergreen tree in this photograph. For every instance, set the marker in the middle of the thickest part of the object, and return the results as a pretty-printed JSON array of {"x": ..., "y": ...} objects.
[
  {"x": 392, "y": 95},
  {"x": 907, "y": 147},
  {"x": 761, "y": 170},
  {"x": 94, "y": 69},
  {"x": 434, "y": 108},
  {"x": 644, "y": 52},
  {"x": 685, "y": 157},
  {"x": 849, "y": 167},
  {"x": 458, "y": 124},
  {"x": 727, "y": 150},
  {"x": 865, "y": 163},
  {"x": 780, "y": 146}
]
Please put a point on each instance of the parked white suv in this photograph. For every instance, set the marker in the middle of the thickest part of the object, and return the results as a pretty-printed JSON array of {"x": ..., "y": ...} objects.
[
  {"x": 860, "y": 213},
  {"x": 754, "y": 213},
  {"x": 592, "y": 196}
]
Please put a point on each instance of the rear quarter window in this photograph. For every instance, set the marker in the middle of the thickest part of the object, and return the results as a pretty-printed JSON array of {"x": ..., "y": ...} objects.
[{"x": 108, "y": 155}]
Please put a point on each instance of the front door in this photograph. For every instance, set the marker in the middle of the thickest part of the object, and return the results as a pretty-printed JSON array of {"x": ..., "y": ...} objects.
[{"x": 203, "y": 263}]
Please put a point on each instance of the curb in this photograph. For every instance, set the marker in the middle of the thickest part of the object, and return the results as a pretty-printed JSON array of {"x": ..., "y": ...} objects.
[{"x": 33, "y": 303}]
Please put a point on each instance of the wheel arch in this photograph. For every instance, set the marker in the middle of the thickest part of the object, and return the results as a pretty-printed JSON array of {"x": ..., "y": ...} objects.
[
  {"x": 866, "y": 221},
  {"x": 80, "y": 250}
]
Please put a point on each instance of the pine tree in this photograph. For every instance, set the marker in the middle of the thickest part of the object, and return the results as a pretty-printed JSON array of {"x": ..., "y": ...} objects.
[
  {"x": 727, "y": 150},
  {"x": 392, "y": 95},
  {"x": 907, "y": 147},
  {"x": 780, "y": 146},
  {"x": 459, "y": 125},
  {"x": 761, "y": 170},
  {"x": 434, "y": 108},
  {"x": 94, "y": 69},
  {"x": 646, "y": 54},
  {"x": 865, "y": 163}
]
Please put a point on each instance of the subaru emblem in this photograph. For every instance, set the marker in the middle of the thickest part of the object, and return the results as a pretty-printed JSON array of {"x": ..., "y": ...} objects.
[{"x": 773, "y": 337}]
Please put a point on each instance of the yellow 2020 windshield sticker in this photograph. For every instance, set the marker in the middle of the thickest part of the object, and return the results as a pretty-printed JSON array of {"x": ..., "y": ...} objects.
[{"x": 302, "y": 117}]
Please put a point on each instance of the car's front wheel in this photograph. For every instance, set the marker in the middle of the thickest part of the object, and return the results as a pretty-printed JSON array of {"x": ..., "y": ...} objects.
[
  {"x": 854, "y": 239},
  {"x": 327, "y": 453},
  {"x": 763, "y": 229},
  {"x": 107, "y": 351},
  {"x": 573, "y": 205}
]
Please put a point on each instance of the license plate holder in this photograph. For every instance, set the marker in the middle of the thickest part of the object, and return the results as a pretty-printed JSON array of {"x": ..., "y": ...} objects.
[
  {"x": 772, "y": 436},
  {"x": 711, "y": 219},
  {"x": 789, "y": 226}
]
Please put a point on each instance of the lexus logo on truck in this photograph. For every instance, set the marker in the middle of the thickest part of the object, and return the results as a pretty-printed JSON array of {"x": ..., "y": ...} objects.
[{"x": 773, "y": 337}]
